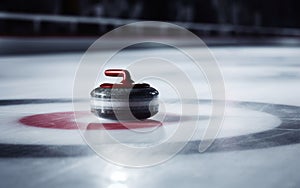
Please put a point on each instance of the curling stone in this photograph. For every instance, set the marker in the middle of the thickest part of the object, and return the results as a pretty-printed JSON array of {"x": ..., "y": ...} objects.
[{"x": 124, "y": 101}]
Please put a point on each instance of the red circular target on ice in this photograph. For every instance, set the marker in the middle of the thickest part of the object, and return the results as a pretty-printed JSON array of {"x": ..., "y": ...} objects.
[{"x": 66, "y": 120}]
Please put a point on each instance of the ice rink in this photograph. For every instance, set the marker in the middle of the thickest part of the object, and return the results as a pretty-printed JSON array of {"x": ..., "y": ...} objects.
[{"x": 258, "y": 146}]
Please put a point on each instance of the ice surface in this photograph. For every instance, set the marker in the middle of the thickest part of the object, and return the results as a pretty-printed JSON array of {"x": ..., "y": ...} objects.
[{"x": 260, "y": 74}]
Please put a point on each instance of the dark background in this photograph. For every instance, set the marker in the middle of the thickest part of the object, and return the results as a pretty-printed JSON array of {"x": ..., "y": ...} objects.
[{"x": 92, "y": 17}]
